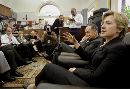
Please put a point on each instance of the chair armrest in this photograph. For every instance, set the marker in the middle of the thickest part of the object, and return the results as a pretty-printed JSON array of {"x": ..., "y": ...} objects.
[{"x": 57, "y": 86}]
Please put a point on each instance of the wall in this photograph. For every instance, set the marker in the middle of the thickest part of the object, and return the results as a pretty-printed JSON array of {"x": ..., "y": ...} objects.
[
  {"x": 23, "y": 7},
  {"x": 104, "y": 4},
  {"x": 31, "y": 7},
  {"x": 64, "y": 6},
  {"x": 114, "y": 5},
  {"x": 29, "y": 16},
  {"x": 8, "y": 3},
  {"x": 101, "y": 4}
]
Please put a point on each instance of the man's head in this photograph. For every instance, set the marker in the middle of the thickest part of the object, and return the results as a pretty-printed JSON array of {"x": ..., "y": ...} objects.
[
  {"x": 73, "y": 12},
  {"x": 33, "y": 33},
  {"x": 61, "y": 17},
  {"x": 20, "y": 33},
  {"x": 91, "y": 31},
  {"x": 41, "y": 20},
  {"x": 8, "y": 30}
]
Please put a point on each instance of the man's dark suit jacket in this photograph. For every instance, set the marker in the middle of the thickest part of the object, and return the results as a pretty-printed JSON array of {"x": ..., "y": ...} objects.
[
  {"x": 90, "y": 46},
  {"x": 109, "y": 66},
  {"x": 57, "y": 23}
]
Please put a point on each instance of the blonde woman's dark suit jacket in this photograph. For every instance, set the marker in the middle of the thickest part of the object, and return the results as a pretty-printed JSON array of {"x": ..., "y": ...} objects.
[{"x": 109, "y": 65}]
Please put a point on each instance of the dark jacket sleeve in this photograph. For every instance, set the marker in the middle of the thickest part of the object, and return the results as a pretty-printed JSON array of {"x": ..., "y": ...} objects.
[
  {"x": 55, "y": 24},
  {"x": 81, "y": 52},
  {"x": 108, "y": 66},
  {"x": 92, "y": 47}
]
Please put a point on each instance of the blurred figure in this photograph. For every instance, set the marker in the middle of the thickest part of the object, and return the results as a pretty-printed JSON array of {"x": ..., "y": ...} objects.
[
  {"x": 41, "y": 24},
  {"x": 17, "y": 26},
  {"x": 59, "y": 22},
  {"x": 35, "y": 40},
  {"x": 10, "y": 39},
  {"x": 75, "y": 21},
  {"x": 47, "y": 27},
  {"x": 27, "y": 48}
]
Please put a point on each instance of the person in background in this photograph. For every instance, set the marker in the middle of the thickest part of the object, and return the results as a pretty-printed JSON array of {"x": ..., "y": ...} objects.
[
  {"x": 91, "y": 38},
  {"x": 41, "y": 24},
  {"x": 10, "y": 39},
  {"x": 27, "y": 48},
  {"x": 89, "y": 43},
  {"x": 11, "y": 24},
  {"x": 11, "y": 54},
  {"x": 35, "y": 40},
  {"x": 110, "y": 61},
  {"x": 59, "y": 22},
  {"x": 17, "y": 26},
  {"x": 47, "y": 27},
  {"x": 75, "y": 22},
  {"x": 49, "y": 41}
]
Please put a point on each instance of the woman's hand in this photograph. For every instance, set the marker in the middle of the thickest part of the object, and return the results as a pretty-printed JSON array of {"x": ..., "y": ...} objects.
[{"x": 72, "y": 69}]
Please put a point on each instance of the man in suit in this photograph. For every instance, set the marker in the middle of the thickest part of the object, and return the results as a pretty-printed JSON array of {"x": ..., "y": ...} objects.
[
  {"x": 89, "y": 43},
  {"x": 91, "y": 36},
  {"x": 59, "y": 22}
]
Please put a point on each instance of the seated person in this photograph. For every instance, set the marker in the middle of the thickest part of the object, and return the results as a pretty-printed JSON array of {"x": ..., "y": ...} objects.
[
  {"x": 8, "y": 41},
  {"x": 13, "y": 58},
  {"x": 35, "y": 40},
  {"x": 27, "y": 48},
  {"x": 89, "y": 43},
  {"x": 49, "y": 41},
  {"x": 21, "y": 38},
  {"x": 107, "y": 68},
  {"x": 9, "y": 38}
]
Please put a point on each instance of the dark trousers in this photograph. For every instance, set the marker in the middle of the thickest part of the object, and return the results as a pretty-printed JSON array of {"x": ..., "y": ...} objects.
[
  {"x": 24, "y": 51},
  {"x": 39, "y": 45},
  {"x": 58, "y": 75},
  {"x": 10, "y": 56},
  {"x": 75, "y": 32}
]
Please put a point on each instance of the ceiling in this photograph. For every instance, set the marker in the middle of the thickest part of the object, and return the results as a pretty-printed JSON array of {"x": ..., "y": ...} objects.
[{"x": 34, "y": 5}]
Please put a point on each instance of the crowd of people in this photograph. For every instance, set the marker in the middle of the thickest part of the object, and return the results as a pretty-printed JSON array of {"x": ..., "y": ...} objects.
[
  {"x": 108, "y": 62},
  {"x": 106, "y": 53}
]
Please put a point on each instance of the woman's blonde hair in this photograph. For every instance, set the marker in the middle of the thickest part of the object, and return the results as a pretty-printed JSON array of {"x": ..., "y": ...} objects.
[{"x": 121, "y": 21}]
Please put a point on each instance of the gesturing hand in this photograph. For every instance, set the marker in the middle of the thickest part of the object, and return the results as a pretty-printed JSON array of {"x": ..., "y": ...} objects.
[{"x": 70, "y": 38}]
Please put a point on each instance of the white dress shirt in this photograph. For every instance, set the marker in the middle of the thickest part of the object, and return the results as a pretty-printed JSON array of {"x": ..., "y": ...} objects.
[
  {"x": 78, "y": 21},
  {"x": 5, "y": 40}
]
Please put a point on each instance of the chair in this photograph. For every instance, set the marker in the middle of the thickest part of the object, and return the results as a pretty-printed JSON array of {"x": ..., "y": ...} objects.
[
  {"x": 57, "y": 86},
  {"x": 68, "y": 60}
]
